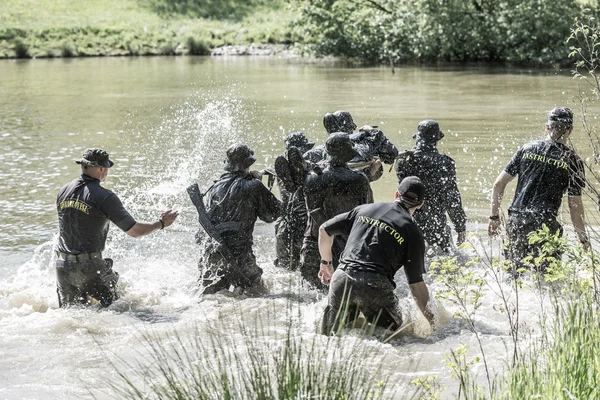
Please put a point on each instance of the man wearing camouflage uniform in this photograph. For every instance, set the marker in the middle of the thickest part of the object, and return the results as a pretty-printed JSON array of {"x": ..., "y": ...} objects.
[
  {"x": 233, "y": 204},
  {"x": 329, "y": 192},
  {"x": 438, "y": 173}
]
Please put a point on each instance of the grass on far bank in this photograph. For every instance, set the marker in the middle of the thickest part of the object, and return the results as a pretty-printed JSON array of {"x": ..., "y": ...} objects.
[{"x": 68, "y": 28}]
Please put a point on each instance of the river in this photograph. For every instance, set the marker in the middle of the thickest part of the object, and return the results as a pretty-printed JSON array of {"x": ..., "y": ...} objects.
[{"x": 166, "y": 123}]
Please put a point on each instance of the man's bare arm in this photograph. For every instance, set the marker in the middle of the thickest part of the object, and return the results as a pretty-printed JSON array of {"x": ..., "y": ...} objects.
[
  {"x": 325, "y": 244},
  {"x": 421, "y": 294},
  {"x": 497, "y": 193},
  {"x": 146, "y": 228},
  {"x": 578, "y": 219}
]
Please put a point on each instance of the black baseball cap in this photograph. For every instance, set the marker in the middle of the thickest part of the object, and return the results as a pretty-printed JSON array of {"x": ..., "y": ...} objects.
[
  {"x": 411, "y": 188},
  {"x": 95, "y": 158},
  {"x": 561, "y": 114}
]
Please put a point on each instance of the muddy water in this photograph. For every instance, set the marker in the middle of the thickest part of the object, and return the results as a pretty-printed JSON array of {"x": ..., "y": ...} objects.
[{"x": 166, "y": 123}]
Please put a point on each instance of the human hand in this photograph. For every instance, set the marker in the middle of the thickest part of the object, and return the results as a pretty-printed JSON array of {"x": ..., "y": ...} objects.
[
  {"x": 325, "y": 274},
  {"x": 376, "y": 165},
  {"x": 462, "y": 236},
  {"x": 168, "y": 217},
  {"x": 494, "y": 227}
]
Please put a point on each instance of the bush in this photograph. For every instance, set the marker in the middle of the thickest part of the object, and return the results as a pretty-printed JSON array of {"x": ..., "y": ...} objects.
[{"x": 446, "y": 30}]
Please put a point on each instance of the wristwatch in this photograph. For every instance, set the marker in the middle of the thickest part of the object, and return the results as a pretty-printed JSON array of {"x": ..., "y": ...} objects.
[
  {"x": 324, "y": 262},
  {"x": 494, "y": 217}
]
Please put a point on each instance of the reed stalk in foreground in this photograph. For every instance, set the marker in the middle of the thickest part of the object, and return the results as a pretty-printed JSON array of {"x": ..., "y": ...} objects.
[{"x": 264, "y": 361}]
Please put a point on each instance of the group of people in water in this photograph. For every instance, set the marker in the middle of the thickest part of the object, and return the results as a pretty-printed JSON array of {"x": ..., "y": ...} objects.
[{"x": 327, "y": 226}]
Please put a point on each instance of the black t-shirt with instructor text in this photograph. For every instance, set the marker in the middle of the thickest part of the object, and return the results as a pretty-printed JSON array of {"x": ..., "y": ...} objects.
[
  {"x": 546, "y": 170},
  {"x": 382, "y": 237},
  {"x": 84, "y": 211}
]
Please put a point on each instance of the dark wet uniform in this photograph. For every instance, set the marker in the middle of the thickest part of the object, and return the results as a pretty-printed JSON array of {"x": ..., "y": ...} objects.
[
  {"x": 234, "y": 203},
  {"x": 290, "y": 228},
  {"x": 546, "y": 170},
  {"x": 335, "y": 190},
  {"x": 369, "y": 144},
  {"x": 84, "y": 211},
  {"x": 382, "y": 238},
  {"x": 438, "y": 172}
]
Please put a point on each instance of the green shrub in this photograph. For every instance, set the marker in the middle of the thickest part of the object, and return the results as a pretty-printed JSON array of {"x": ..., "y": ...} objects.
[{"x": 197, "y": 47}]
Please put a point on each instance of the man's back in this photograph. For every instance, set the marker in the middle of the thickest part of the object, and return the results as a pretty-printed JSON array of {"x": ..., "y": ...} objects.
[
  {"x": 383, "y": 238},
  {"x": 336, "y": 190},
  {"x": 84, "y": 211},
  {"x": 438, "y": 173},
  {"x": 546, "y": 169},
  {"x": 234, "y": 203}
]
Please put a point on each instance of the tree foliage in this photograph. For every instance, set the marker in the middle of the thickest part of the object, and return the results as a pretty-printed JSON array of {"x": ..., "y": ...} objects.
[{"x": 532, "y": 31}]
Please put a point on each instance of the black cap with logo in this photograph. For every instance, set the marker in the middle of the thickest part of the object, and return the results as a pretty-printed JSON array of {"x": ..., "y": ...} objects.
[{"x": 95, "y": 158}]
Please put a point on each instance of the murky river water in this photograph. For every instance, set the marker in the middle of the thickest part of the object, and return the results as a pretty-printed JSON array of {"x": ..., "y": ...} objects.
[{"x": 166, "y": 123}]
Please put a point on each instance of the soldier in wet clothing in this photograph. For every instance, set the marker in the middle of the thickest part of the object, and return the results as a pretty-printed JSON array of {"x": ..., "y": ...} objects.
[
  {"x": 233, "y": 203},
  {"x": 546, "y": 169},
  {"x": 438, "y": 173},
  {"x": 290, "y": 226},
  {"x": 85, "y": 210},
  {"x": 329, "y": 192},
  {"x": 382, "y": 238},
  {"x": 371, "y": 144}
]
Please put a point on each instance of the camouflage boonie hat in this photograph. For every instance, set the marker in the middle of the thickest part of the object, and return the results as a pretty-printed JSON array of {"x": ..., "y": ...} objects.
[
  {"x": 340, "y": 147},
  {"x": 298, "y": 140},
  {"x": 428, "y": 131},
  {"x": 239, "y": 157},
  {"x": 95, "y": 158}
]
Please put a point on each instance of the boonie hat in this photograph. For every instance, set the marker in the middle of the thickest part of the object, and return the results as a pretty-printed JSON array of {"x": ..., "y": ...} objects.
[
  {"x": 339, "y": 121},
  {"x": 239, "y": 157},
  {"x": 428, "y": 131},
  {"x": 561, "y": 114},
  {"x": 95, "y": 158},
  {"x": 340, "y": 147},
  {"x": 298, "y": 140},
  {"x": 411, "y": 188}
]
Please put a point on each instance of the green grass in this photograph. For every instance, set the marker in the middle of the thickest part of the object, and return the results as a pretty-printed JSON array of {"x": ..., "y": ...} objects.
[
  {"x": 54, "y": 28},
  {"x": 237, "y": 360},
  {"x": 565, "y": 363}
]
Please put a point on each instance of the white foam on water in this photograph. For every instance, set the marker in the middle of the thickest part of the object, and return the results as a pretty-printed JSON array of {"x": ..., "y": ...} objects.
[{"x": 48, "y": 352}]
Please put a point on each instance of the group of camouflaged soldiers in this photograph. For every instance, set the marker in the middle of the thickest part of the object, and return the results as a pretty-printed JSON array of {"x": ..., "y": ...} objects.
[{"x": 327, "y": 226}]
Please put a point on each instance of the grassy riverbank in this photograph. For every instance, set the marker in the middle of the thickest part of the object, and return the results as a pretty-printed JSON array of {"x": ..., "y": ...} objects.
[{"x": 68, "y": 28}]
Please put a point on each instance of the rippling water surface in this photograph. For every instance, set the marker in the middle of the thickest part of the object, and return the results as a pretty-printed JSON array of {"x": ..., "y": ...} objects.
[{"x": 167, "y": 122}]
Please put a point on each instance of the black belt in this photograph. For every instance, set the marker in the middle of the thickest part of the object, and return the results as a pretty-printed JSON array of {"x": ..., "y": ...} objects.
[
  {"x": 347, "y": 268},
  {"x": 78, "y": 257}
]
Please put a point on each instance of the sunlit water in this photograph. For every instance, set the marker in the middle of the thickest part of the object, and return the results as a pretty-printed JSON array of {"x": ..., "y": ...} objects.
[{"x": 166, "y": 123}]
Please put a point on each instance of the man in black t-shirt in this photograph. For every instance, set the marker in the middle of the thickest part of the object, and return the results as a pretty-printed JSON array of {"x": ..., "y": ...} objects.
[
  {"x": 382, "y": 238},
  {"x": 84, "y": 211},
  {"x": 546, "y": 170},
  {"x": 437, "y": 171}
]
